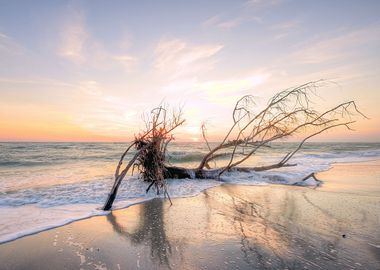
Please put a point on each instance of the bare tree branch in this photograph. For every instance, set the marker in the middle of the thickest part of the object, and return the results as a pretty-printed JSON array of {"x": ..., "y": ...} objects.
[{"x": 289, "y": 113}]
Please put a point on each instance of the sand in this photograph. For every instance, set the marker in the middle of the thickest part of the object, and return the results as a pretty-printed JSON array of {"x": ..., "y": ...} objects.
[{"x": 336, "y": 226}]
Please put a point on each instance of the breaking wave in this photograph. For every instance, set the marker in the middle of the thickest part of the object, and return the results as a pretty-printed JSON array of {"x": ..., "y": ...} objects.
[{"x": 47, "y": 185}]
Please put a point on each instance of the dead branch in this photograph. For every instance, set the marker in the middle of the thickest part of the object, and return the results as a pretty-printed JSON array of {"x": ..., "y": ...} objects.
[
  {"x": 151, "y": 147},
  {"x": 289, "y": 113}
]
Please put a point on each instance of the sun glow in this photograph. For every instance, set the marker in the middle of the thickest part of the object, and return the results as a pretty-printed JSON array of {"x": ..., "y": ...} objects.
[{"x": 94, "y": 83}]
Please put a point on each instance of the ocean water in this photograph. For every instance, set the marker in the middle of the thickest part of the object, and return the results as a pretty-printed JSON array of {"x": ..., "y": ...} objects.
[{"x": 44, "y": 185}]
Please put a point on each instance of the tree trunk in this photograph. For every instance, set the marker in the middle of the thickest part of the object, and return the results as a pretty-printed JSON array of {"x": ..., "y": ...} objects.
[{"x": 111, "y": 197}]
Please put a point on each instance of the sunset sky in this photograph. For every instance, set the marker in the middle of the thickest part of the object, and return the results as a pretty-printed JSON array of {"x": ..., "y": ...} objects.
[{"x": 87, "y": 70}]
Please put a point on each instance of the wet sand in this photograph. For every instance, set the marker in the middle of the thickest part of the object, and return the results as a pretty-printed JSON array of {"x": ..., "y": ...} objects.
[{"x": 336, "y": 226}]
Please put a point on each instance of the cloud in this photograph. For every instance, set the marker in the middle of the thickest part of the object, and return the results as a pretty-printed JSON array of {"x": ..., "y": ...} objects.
[
  {"x": 217, "y": 21},
  {"x": 74, "y": 37},
  {"x": 127, "y": 61},
  {"x": 336, "y": 47},
  {"x": 103, "y": 113},
  {"x": 80, "y": 47},
  {"x": 286, "y": 25},
  {"x": 260, "y": 4},
  {"x": 284, "y": 29},
  {"x": 212, "y": 100},
  {"x": 226, "y": 92},
  {"x": 177, "y": 57},
  {"x": 220, "y": 91},
  {"x": 8, "y": 46},
  {"x": 37, "y": 82},
  {"x": 228, "y": 24},
  {"x": 87, "y": 104},
  {"x": 212, "y": 20}
]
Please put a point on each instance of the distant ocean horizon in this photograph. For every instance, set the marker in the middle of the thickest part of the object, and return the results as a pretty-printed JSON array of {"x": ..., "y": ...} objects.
[
  {"x": 48, "y": 184},
  {"x": 185, "y": 141}
]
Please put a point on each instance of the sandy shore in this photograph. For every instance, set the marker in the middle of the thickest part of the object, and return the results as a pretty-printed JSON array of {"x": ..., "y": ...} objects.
[{"x": 336, "y": 226}]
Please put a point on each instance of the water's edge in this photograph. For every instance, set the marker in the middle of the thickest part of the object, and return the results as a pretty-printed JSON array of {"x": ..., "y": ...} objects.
[
  {"x": 98, "y": 212},
  {"x": 45, "y": 185}
]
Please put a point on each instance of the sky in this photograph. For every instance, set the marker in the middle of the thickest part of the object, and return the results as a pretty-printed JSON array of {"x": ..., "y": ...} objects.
[{"x": 89, "y": 70}]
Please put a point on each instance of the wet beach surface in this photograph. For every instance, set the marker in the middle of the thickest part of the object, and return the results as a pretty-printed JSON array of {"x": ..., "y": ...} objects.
[{"x": 336, "y": 226}]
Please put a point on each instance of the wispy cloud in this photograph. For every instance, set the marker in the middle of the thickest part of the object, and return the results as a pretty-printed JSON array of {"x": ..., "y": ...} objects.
[
  {"x": 227, "y": 24},
  {"x": 127, "y": 61},
  {"x": 212, "y": 100},
  {"x": 228, "y": 86},
  {"x": 286, "y": 25},
  {"x": 219, "y": 91},
  {"x": 336, "y": 47},
  {"x": 217, "y": 21},
  {"x": 8, "y": 46},
  {"x": 230, "y": 23},
  {"x": 211, "y": 20},
  {"x": 87, "y": 104},
  {"x": 259, "y": 4},
  {"x": 284, "y": 29},
  {"x": 80, "y": 47},
  {"x": 103, "y": 113},
  {"x": 177, "y": 57},
  {"x": 74, "y": 37},
  {"x": 48, "y": 82}
]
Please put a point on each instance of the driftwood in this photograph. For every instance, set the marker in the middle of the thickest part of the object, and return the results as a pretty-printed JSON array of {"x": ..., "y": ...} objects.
[
  {"x": 288, "y": 113},
  {"x": 149, "y": 158}
]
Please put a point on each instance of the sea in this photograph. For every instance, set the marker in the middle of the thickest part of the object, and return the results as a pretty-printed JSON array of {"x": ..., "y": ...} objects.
[{"x": 46, "y": 185}]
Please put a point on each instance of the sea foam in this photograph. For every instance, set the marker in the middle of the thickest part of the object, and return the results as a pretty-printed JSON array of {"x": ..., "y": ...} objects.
[{"x": 72, "y": 181}]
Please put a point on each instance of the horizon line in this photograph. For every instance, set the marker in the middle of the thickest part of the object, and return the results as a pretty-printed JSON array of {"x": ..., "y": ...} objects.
[{"x": 180, "y": 141}]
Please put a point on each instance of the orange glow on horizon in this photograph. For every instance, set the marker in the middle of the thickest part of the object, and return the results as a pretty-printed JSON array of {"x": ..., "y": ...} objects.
[
  {"x": 78, "y": 79},
  {"x": 46, "y": 124}
]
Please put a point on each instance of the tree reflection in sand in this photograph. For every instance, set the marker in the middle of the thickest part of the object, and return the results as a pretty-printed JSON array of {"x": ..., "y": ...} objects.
[
  {"x": 150, "y": 231},
  {"x": 286, "y": 232},
  {"x": 226, "y": 227},
  {"x": 246, "y": 228}
]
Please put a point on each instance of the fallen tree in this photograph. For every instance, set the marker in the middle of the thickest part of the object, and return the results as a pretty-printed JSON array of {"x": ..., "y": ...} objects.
[{"x": 288, "y": 113}]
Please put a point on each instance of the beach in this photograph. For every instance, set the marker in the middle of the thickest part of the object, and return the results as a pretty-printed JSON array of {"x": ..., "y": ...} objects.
[
  {"x": 189, "y": 135},
  {"x": 335, "y": 226}
]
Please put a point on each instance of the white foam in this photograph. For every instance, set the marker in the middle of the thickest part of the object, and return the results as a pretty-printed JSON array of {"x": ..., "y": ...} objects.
[
  {"x": 32, "y": 218},
  {"x": 27, "y": 209},
  {"x": 29, "y": 219}
]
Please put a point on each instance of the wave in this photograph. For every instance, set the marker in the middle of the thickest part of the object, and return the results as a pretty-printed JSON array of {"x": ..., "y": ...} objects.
[
  {"x": 12, "y": 163},
  {"x": 180, "y": 156},
  {"x": 32, "y": 211},
  {"x": 29, "y": 207}
]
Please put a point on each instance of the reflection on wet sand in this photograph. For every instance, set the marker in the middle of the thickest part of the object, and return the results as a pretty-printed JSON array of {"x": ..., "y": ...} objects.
[
  {"x": 150, "y": 231},
  {"x": 267, "y": 239},
  {"x": 227, "y": 227},
  {"x": 247, "y": 227}
]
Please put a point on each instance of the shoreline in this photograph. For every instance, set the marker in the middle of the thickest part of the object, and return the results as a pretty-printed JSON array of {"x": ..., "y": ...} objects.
[
  {"x": 105, "y": 213},
  {"x": 228, "y": 226}
]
